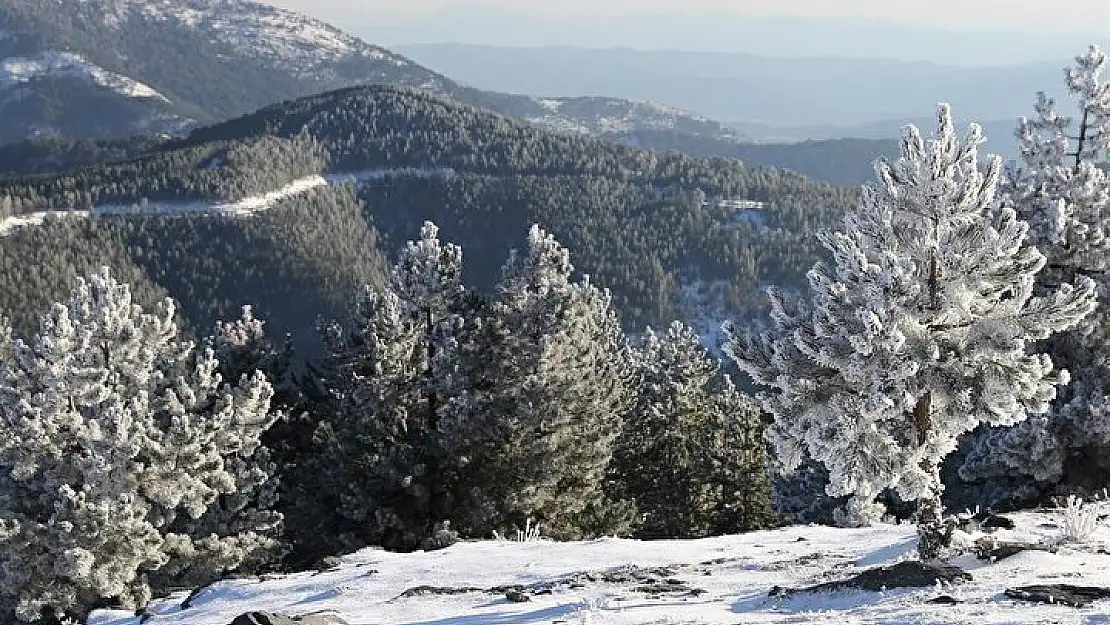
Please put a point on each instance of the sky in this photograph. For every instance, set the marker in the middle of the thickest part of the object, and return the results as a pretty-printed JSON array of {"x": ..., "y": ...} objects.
[{"x": 1062, "y": 16}]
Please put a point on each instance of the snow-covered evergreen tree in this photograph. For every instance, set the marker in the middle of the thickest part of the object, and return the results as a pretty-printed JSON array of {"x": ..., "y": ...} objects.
[
  {"x": 557, "y": 385},
  {"x": 250, "y": 513},
  {"x": 114, "y": 433},
  {"x": 1060, "y": 189},
  {"x": 394, "y": 366},
  {"x": 917, "y": 331},
  {"x": 691, "y": 452}
]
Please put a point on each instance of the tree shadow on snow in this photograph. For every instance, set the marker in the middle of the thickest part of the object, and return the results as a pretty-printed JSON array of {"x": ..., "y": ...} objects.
[
  {"x": 507, "y": 618},
  {"x": 885, "y": 555}
]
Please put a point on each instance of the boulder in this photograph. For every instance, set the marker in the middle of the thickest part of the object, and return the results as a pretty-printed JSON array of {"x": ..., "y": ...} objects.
[
  {"x": 1062, "y": 594},
  {"x": 997, "y": 522},
  {"x": 908, "y": 574},
  {"x": 988, "y": 548},
  {"x": 263, "y": 618},
  {"x": 269, "y": 618},
  {"x": 944, "y": 600}
]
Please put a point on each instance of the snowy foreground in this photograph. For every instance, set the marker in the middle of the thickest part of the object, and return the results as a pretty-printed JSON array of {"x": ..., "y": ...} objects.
[{"x": 718, "y": 580}]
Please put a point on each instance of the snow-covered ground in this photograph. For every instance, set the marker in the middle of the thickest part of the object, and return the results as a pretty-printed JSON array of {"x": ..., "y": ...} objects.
[{"x": 719, "y": 580}]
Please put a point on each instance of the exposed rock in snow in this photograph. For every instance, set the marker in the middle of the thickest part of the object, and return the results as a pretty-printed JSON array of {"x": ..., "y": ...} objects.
[{"x": 1063, "y": 594}]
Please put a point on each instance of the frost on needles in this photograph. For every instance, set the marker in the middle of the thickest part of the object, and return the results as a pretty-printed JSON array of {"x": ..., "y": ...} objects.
[
  {"x": 1060, "y": 189},
  {"x": 116, "y": 440},
  {"x": 917, "y": 330}
]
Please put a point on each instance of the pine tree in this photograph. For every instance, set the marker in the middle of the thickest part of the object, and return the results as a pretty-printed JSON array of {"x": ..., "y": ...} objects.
[
  {"x": 242, "y": 350},
  {"x": 690, "y": 454},
  {"x": 393, "y": 365},
  {"x": 540, "y": 419},
  {"x": 115, "y": 436},
  {"x": 1061, "y": 190},
  {"x": 917, "y": 332}
]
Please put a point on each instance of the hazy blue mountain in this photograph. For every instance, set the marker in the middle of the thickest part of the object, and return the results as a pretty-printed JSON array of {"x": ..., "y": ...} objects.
[
  {"x": 999, "y": 132},
  {"x": 772, "y": 91},
  {"x": 729, "y": 32}
]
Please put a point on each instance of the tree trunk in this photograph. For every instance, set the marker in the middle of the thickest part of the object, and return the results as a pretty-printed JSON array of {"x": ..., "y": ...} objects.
[
  {"x": 1082, "y": 139},
  {"x": 934, "y": 532}
]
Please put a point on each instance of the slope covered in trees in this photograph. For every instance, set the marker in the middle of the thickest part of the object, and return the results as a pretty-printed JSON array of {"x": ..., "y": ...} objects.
[
  {"x": 649, "y": 226},
  {"x": 301, "y": 258},
  {"x": 846, "y": 161}
]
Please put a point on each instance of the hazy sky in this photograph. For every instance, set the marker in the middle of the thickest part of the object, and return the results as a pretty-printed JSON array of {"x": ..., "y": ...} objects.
[{"x": 1062, "y": 16}]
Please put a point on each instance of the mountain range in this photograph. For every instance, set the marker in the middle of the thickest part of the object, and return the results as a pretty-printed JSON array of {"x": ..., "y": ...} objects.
[
  {"x": 848, "y": 97},
  {"x": 738, "y": 30},
  {"x": 112, "y": 68}
]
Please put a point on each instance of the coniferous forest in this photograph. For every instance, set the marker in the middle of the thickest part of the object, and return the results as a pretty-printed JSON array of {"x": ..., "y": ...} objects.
[{"x": 379, "y": 317}]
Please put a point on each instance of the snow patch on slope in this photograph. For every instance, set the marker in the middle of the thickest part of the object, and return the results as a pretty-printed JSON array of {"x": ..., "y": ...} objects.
[
  {"x": 610, "y": 115},
  {"x": 240, "y": 208},
  {"x": 17, "y": 70}
]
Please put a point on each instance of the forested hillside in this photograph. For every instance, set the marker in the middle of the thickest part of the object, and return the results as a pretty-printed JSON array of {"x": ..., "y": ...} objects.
[
  {"x": 669, "y": 234},
  {"x": 303, "y": 257},
  {"x": 839, "y": 161}
]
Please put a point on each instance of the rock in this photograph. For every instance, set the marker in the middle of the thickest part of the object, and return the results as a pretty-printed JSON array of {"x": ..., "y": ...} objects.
[
  {"x": 517, "y": 596},
  {"x": 944, "y": 600},
  {"x": 420, "y": 591},
  {"x": 328, "y": 563},
  {"x": 908, "y": 574},
  {"x": 269, "y": 618},
  {"x": 262, "y": 618},
  {"x": 994, "y": 550},
  {"x": 997, "y": 522},
  {"x": 1062, "y": 594}
]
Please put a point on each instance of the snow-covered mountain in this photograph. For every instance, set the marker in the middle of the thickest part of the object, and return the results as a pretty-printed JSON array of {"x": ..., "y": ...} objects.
[{"x": 105, "y": 68}]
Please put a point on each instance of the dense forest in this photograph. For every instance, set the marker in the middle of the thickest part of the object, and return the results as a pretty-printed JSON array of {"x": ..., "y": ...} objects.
[
  {"x": 650, "y": 226},
  {"x": 839, "y": 161}
]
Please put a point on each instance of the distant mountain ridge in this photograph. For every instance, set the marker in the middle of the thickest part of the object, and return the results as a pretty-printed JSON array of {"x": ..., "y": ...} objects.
[
  {"x": 778, "y": 92},
  {"x": 112, "y": 68},
  {"x": 735, "y": 30}
]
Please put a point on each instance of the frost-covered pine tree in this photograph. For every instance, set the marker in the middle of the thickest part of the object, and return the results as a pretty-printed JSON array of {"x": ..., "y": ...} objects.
[
  {"x": 393, "y": 368},
  {"x": 558, "y": 383},
  {"x": 1059, "y": 187},
  {"x": 114, "y": 434},
  {"x": 691, "y": 452},
  {"x": 250, "y": 513},
  {"x": 916, "y": 331}
]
